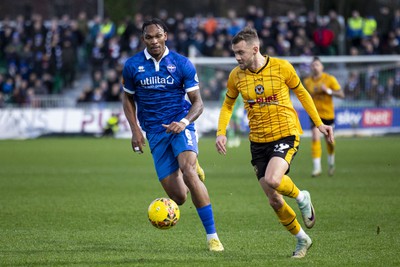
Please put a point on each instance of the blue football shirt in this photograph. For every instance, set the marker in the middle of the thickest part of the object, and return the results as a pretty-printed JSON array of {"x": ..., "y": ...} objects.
[{"x": 159, "y": 88}]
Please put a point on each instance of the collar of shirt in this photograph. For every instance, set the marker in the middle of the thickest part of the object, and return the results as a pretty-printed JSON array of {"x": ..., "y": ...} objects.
[{"x": 148, "y": 56}]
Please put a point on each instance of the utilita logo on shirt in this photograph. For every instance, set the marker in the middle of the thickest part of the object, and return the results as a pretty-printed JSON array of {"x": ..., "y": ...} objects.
[{"x": 157, "y": 81}]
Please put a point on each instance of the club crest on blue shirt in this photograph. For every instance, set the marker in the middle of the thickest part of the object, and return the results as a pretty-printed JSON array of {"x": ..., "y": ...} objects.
[{"x": 171, "y": 68}]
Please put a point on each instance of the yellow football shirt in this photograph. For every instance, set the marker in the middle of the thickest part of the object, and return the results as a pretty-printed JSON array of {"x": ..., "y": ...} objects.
[
  {"x": 266, "y": 97},
  {"x": 322, "y": 101}
]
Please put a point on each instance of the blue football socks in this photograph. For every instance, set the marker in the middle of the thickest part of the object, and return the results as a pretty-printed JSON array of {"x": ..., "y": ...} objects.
[{"x": 207, "y": 218}]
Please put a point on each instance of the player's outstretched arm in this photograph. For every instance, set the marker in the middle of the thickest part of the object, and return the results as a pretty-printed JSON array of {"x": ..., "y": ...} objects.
[{"x": 194, "y": 112}]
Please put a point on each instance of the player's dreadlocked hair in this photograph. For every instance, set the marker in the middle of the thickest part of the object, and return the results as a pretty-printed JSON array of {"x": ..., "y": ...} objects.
[{"x": 155, "y": 21}]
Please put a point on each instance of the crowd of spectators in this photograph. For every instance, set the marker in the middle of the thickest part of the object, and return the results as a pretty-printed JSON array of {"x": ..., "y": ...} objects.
[
  {"x": 45, "y": 57},
  {"x": 381, "y": 88}
]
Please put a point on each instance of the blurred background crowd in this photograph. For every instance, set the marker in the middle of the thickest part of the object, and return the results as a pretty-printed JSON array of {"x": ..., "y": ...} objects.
[{"x": 41, "y": 56}]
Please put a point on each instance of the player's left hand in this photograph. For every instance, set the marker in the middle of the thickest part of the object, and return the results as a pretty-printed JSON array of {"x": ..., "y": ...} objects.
[
  {"x": 174, "y": 127},
  {"x": 328, "y": 132},
  {"x": 220, "y": 144}
]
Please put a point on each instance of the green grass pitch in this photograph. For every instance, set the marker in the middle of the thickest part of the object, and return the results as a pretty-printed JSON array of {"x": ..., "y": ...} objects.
[{"x": 83, "y": 202}]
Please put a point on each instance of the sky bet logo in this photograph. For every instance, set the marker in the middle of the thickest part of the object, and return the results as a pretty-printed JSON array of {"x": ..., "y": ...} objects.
[{"x": 157, "y": 80}]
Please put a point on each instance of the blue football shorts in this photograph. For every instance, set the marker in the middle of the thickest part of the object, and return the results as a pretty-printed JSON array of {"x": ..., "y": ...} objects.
[{"x": 165, "y": 148}]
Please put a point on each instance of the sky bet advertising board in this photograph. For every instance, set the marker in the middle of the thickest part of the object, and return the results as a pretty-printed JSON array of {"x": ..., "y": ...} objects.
[{"x": 360, "y": 118}]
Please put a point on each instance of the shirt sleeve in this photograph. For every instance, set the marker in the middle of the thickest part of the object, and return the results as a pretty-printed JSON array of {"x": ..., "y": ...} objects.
[
  {"x": 335, "y": 84},
  {"x": 191, "y": 80},
  {"x": 308, "y": 104},
  {"x": 127, "y": 82},
  {"x": 225, "y": 115},
  {"x": 227, "y": 107},
  {"x": 292, "y": 79}
]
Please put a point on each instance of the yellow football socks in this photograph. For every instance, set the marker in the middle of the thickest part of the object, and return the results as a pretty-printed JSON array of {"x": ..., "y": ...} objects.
[
  {"x": 287, "y": 187},
  {"x": 330, "y": 148},
  {"x": 316, "y": 149},
  {"x": 287, "y": 217}
]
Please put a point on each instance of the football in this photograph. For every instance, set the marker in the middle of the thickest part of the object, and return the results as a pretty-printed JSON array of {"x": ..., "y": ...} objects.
[{"x": 163, "y": 213}]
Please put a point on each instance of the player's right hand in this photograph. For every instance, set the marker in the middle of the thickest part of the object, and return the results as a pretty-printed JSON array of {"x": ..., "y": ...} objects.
[
  {"x": 328, "y": 131},
  {"x": 220, "y": 144}
]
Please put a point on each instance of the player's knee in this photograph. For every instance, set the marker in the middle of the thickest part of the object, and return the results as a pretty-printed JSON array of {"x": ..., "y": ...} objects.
[
  {"x": 271, "y": 181},
  {"x": 189, "y": 174},
  {"x": 180, "y": 199}
]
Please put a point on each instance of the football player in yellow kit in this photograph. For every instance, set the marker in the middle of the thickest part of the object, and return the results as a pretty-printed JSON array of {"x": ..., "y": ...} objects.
[
  {"x": 265, "y": 83},
  {"x": 322, "y": 87}
]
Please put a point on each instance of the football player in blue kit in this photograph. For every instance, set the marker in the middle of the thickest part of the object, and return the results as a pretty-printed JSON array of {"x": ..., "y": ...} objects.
[{"x": 156, "y": 82}]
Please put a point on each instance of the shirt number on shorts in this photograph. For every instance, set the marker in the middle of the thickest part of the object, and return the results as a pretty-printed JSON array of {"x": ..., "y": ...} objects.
[{"x": 281, "y": 148}]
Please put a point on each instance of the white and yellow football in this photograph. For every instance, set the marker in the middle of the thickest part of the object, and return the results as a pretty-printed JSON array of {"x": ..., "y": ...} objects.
[{"x": 163, "y": 213}]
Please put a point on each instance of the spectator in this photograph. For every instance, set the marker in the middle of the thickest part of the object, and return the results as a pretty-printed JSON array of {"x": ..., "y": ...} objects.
[
  {"x": 233, "y": 27},
  {"x": 390, "y": 88},
  {"x": 48, "y": 82},
  {"x": 298, "y": 47},
  {"x": 94, "y": 30},
  {"x": 352, "y": 88},
  {"x": 369, "y": 26},
  {"x": 97, "y": 95},
  {"x": 114, "y": 94},
  {"x": 7, "y": 89},
  {"x": 114, "y": 51},
  {"x": 323, "y": 38},
  {"x": 396, "y": 20},
  {"x": 198, "y": 43},
  {"x": 210, "y": 25},
  {"x": 111, "y": 78},
  {"x": 393, "y": 42},
  {"x": 396, "y": 88},
  {"x": 377, "y": 91},
  {"x": 368, "y": 48},
  {"x": 251, "y": 14},
  {"x": 183, "y": 43},
  {"x": 384, "y": 20},
  {"x": 376, "y": 43},
  {"x": 355, "y": 28},
  {"x": 259, "y": 19},
  {"x": 293, "y": 21},
  {"x": 108, "y": 28},
  {"x": 86, "y": 95},
  {"x": 336, "y": 27},
  {"x": 311, "y": 24},
  {"x": 282, "y": 45},
  {"x": 111, "y": 128},
  {"x": 125, "y": 35},
  {"x": 20, "y": 93},
  {"x": 39, "y": 88},
  {"x": 175, "y": 21},
  {"x": 79, "y": 32},
  {"x": 69, "y": 63},
  {"x": 98, "y": 55}
]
